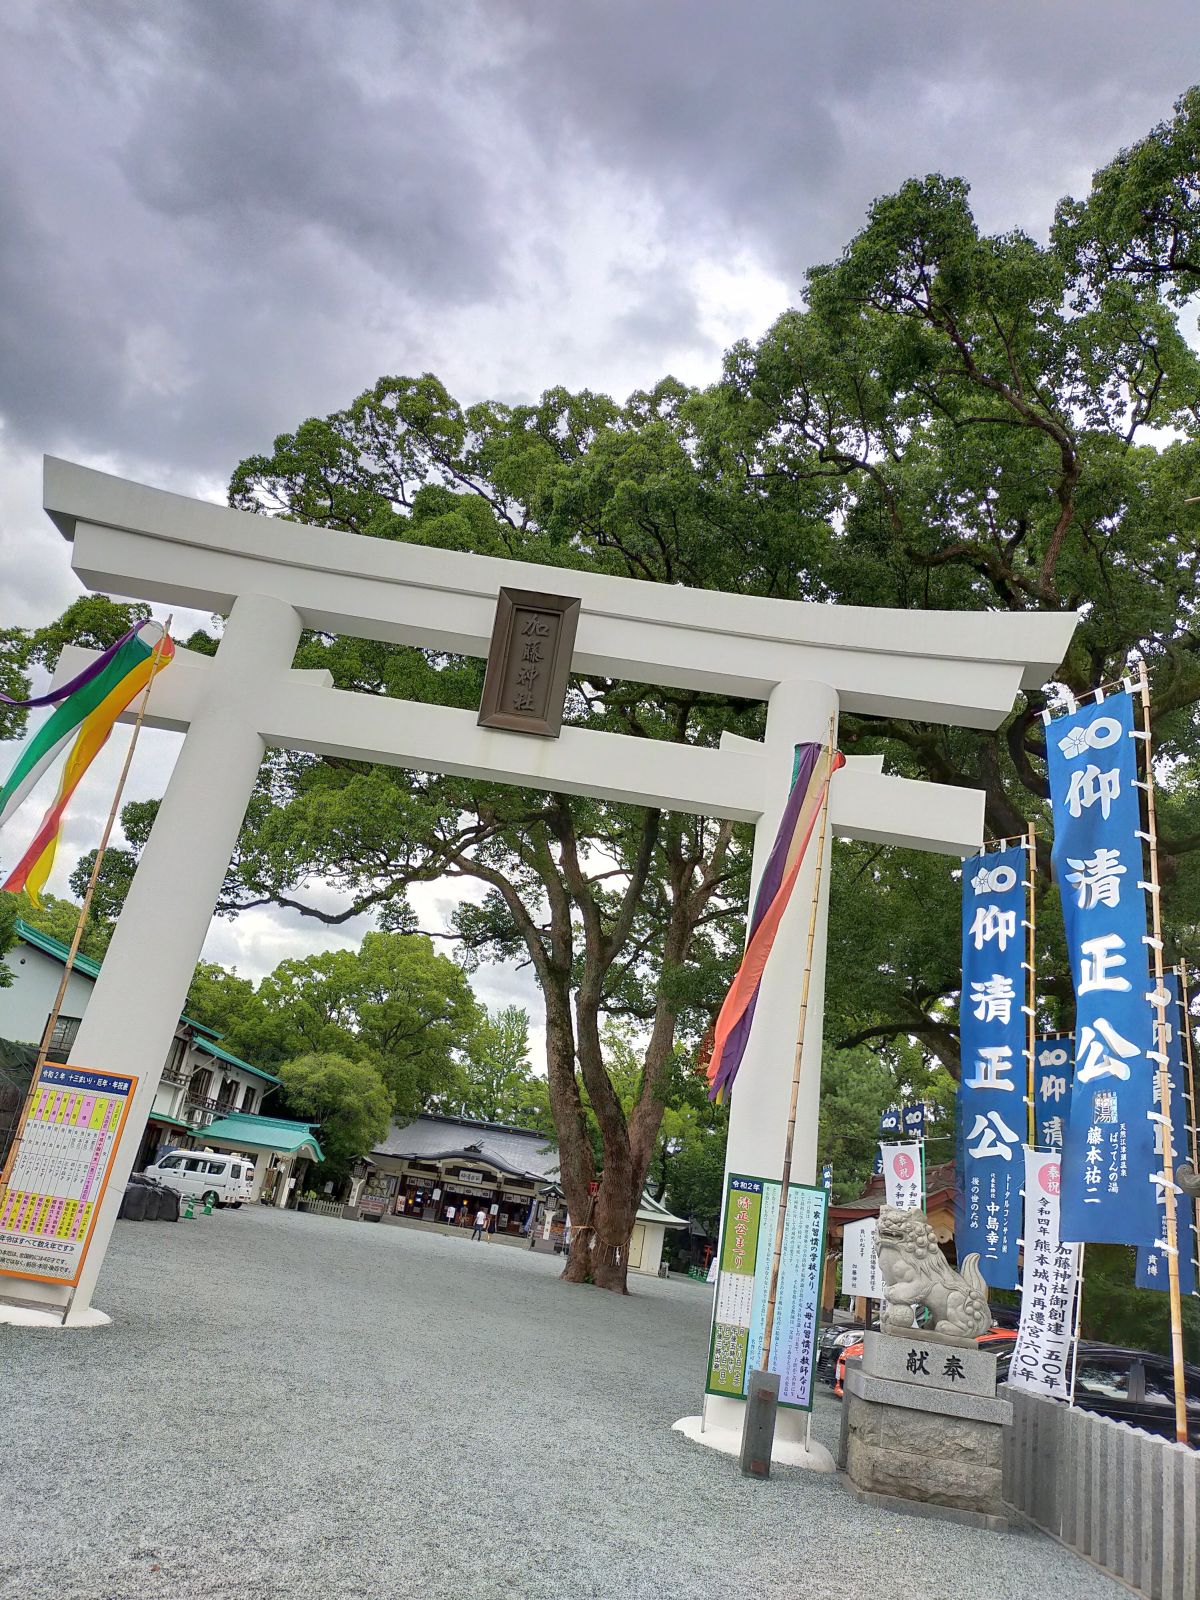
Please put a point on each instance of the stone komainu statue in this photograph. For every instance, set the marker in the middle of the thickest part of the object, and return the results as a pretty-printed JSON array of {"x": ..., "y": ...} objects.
[
  {"x": 1188, "y": 1180},
  {"x": 916, "y": 1273}
]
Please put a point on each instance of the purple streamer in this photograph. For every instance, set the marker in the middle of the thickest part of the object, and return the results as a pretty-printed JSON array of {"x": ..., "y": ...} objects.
[
  {"x": 53, "y": 696},
  {"x": 768, "y": 888}
]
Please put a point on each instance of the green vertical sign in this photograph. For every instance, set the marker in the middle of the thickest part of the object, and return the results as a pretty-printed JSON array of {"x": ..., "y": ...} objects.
[{"x": 730, "y": 1340}]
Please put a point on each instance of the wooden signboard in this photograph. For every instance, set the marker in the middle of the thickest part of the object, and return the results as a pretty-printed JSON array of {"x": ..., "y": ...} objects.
[{"x": 529, "y": 662}]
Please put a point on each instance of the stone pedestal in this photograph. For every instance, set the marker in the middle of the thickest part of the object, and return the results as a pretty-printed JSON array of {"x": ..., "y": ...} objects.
[{"x": 923, "y": 1429}]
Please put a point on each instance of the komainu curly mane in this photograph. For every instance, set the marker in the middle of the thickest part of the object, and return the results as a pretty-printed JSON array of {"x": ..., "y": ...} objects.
[{"x": 916, "y": 1273}]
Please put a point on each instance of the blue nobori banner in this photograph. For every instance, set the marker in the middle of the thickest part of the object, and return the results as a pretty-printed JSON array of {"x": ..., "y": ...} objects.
[
  {"x": 889, "y": 1123},
  {"x": 1108, "y": 1154},
  {"x": 991, "y": 1091},
  {"x": 1152, "y": 1260},
  {"x": 913, "y": 1119},
  {"x": 1053, "y": 1069}
]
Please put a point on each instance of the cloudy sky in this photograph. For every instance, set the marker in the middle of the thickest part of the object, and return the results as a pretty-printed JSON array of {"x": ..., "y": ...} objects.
[{"x": 218, "y": 217}]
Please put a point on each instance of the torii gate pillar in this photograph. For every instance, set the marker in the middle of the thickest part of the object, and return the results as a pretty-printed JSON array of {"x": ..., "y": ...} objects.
[{"x": 161, "y": 931}]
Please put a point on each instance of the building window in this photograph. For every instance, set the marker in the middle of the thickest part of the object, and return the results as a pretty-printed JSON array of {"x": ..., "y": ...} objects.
[
  {"x": 201, "y": 1084},
  {"x": 63, "y": 1036},
  {"x": 248, "y": 1098},
  {"x": 176, "y": 1058}
]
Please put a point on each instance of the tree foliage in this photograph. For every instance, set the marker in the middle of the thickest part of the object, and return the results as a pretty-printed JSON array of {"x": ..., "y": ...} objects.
[
  {"x": 498, "y": 1081},
  {"x": 59, "y": 918},
  {"x": 394, "y": 1004},
  {"x": 348, "y": 1100}
]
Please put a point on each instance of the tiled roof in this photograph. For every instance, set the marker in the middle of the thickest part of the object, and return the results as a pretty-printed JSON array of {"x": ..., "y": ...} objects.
[
  {"x": 652, "y": 1210},
  {"x": 516, "y": 1151}
]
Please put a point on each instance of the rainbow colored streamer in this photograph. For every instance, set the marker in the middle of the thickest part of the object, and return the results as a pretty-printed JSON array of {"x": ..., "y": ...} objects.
[
  {"x": 815, "y": 767},
  {"x": 83, "y": 719}
]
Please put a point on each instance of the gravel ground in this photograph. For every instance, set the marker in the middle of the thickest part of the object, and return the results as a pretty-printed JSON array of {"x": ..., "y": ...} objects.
[{"x": 297, "y": 1406}]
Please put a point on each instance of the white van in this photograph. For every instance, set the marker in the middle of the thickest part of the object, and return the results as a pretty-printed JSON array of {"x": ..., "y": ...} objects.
[{"x": 196, "y": 1174}]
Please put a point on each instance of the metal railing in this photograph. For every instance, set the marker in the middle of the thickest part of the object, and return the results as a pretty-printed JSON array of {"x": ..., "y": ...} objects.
[
  {"x": 202, "y": 1110},
  {"x": 1128, "y": 1500}
]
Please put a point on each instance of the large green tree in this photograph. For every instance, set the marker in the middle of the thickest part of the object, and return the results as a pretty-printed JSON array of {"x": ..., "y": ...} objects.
[
  {"x": 498, "y": 1080},
  {"x": 346, "y": 1098},
  {"x": 394, "y": 1003}
]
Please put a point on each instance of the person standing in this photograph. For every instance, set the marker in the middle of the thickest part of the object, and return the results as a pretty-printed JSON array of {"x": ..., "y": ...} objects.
[{"x": 481, "y": 1222}]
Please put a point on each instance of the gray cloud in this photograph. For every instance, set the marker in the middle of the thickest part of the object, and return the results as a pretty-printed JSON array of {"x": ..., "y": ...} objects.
[
  {"x": 222, "y": 217},
  {"x": 208, "y": 206},
  {"x": 781, "y": 121}
]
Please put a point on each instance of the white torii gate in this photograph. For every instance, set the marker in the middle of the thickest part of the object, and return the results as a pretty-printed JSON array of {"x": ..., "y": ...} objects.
[{"x": 272, "y": 579}]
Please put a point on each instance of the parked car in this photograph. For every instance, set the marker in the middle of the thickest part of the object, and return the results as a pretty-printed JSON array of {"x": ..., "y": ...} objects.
[
  {"x": 197, "y": 1174},
  {"x": 999, "y": 1340},
  {"x": 1137, "y": 1387},
  {"x": 830, "y": 1345}
]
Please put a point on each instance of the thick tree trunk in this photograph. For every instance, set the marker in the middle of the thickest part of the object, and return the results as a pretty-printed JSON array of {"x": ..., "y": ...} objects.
[{"x": 613, "y": 1220}]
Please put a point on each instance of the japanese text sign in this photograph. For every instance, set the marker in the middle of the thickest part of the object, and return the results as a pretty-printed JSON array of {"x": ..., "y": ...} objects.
[
  {"x": 743, "y": 1282},
  {"x": 1048, "y": 1284},
  {"x": 860, "y": 1264},
  {"x": 993, "y": 1032},
  {"x": 58, "y": 1169},
  {"x": 529, "y": 662},
  {"x": 1108, "y": 1149},
  {"x": 1053, "y": 1069},
  {"x": 903, "y": 1179}
]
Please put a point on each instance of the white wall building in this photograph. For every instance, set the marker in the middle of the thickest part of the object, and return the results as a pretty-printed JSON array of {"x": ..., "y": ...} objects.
[{"x": 201, "y": 1082}]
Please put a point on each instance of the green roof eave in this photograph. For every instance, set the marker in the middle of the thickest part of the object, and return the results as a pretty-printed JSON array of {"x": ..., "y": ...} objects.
[
  {"x": 244, "y": 1131},
  {"x": 53, "y": 947},
  {"x": 212, "y": 1049},
  {"x": 201, "y": 1027}
]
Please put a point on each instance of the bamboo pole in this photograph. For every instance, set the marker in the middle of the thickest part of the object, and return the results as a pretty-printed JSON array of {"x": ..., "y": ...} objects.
[
  {"x": 1161, "y": 1036},
  {"x": 1030, "y": 984},
  {"x": 806, "y": 982},
  {"x": 77, "y": 936},
  {"x": 1189, "y": 1066}
]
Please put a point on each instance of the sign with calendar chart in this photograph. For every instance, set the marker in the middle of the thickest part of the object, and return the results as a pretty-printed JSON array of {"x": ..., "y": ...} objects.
[{"x": 58, "y": 1168}]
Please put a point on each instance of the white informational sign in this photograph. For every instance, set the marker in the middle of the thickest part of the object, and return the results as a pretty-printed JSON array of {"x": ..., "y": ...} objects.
[
  {"x": 1048, "y": 1283},
  {"x": 58, "y": 1169},
  {"x": 861, "y": 1276},
  {"x": 743, "y": 1280},
  {"x": 903, "y": 1179}
]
